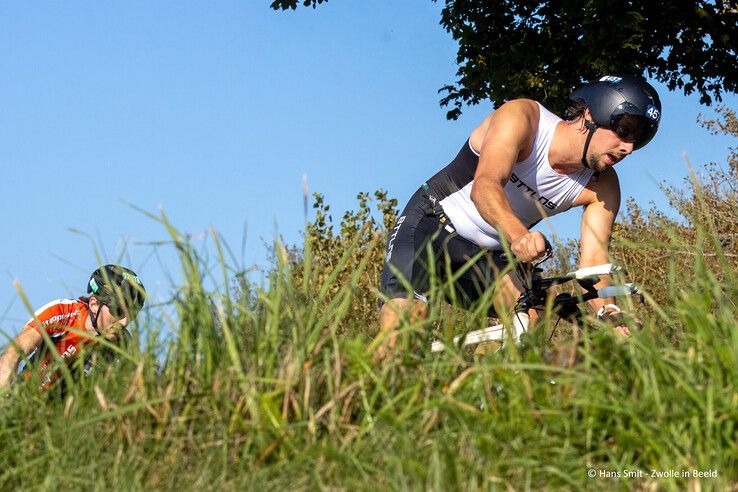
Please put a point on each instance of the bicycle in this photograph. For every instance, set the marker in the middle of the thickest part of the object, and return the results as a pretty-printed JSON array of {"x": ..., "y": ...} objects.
[{"x": 566, "y": 305}]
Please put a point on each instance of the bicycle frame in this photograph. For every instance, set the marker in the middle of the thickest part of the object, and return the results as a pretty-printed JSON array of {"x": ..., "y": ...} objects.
[{"x": 535, "y": 297}]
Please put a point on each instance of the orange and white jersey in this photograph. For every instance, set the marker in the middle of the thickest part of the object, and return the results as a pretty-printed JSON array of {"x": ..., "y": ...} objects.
[{"x": 63, "y": 320}]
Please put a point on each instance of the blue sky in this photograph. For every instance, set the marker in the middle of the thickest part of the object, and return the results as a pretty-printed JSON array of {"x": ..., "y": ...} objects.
[{"x": 214, "y": 111}]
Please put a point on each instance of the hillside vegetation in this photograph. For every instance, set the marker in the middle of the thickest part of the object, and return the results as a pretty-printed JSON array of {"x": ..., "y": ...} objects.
[{"x": 272, "y": 386}]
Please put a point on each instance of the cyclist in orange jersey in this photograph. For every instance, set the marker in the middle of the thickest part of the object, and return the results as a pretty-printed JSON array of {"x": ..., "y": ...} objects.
[{"x": 115, "y": 296}]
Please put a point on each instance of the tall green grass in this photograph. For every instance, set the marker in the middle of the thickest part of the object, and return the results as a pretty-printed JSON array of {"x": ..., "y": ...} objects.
[{"x": 272, "y": 387}]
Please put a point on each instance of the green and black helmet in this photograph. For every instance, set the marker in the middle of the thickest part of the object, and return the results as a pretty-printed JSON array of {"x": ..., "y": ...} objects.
[{"x": 118, "y": 288}]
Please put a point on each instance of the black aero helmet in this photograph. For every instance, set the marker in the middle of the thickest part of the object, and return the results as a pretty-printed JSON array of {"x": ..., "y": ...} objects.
[
  {"x": 118, "y": 288},
  {"x": 625, "y": 104}
]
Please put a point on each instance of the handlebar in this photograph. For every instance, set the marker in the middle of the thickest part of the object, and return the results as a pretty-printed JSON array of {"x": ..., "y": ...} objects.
[
  {"x": 619, "y": 290},
  {"x": 594, "y": 271},
  {"x": 568, "y": 304}
]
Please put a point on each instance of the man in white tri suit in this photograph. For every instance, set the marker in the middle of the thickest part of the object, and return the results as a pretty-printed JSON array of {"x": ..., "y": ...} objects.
[{"x": 522, "y": 163}]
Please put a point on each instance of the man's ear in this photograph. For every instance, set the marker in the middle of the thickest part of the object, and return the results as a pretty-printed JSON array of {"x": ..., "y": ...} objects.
[
  {"x": 94, "y": 304},
  {"x": 586, "y": 116}
]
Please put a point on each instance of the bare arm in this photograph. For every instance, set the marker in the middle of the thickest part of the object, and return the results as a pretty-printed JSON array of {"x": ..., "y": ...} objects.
[
  {"x": 26, "y": 342},
  {"x": 508, "y": 139},
  {"x": 601, "y": 200}
]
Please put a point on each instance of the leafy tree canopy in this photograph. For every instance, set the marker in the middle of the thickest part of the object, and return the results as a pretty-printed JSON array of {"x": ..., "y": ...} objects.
[{"x": 543, "y": 48}]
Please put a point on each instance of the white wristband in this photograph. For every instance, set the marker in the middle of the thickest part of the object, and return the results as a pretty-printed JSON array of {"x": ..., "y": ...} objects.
[{"x": 601, "y": 311}]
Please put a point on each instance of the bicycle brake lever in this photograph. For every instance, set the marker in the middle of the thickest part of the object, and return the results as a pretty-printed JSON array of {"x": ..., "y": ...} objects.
[
  {"x": 637, "y": 291},
  {"x": 540, "y": 262}
]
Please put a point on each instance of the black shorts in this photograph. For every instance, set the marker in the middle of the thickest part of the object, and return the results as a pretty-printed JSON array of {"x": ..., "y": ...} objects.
[{"x": 406, "y": 255}]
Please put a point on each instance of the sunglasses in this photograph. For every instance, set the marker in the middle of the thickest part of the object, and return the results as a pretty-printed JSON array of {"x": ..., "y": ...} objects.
[
  {"x": 630, "y": 125},
  {"x": 120, "y": 312}
]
